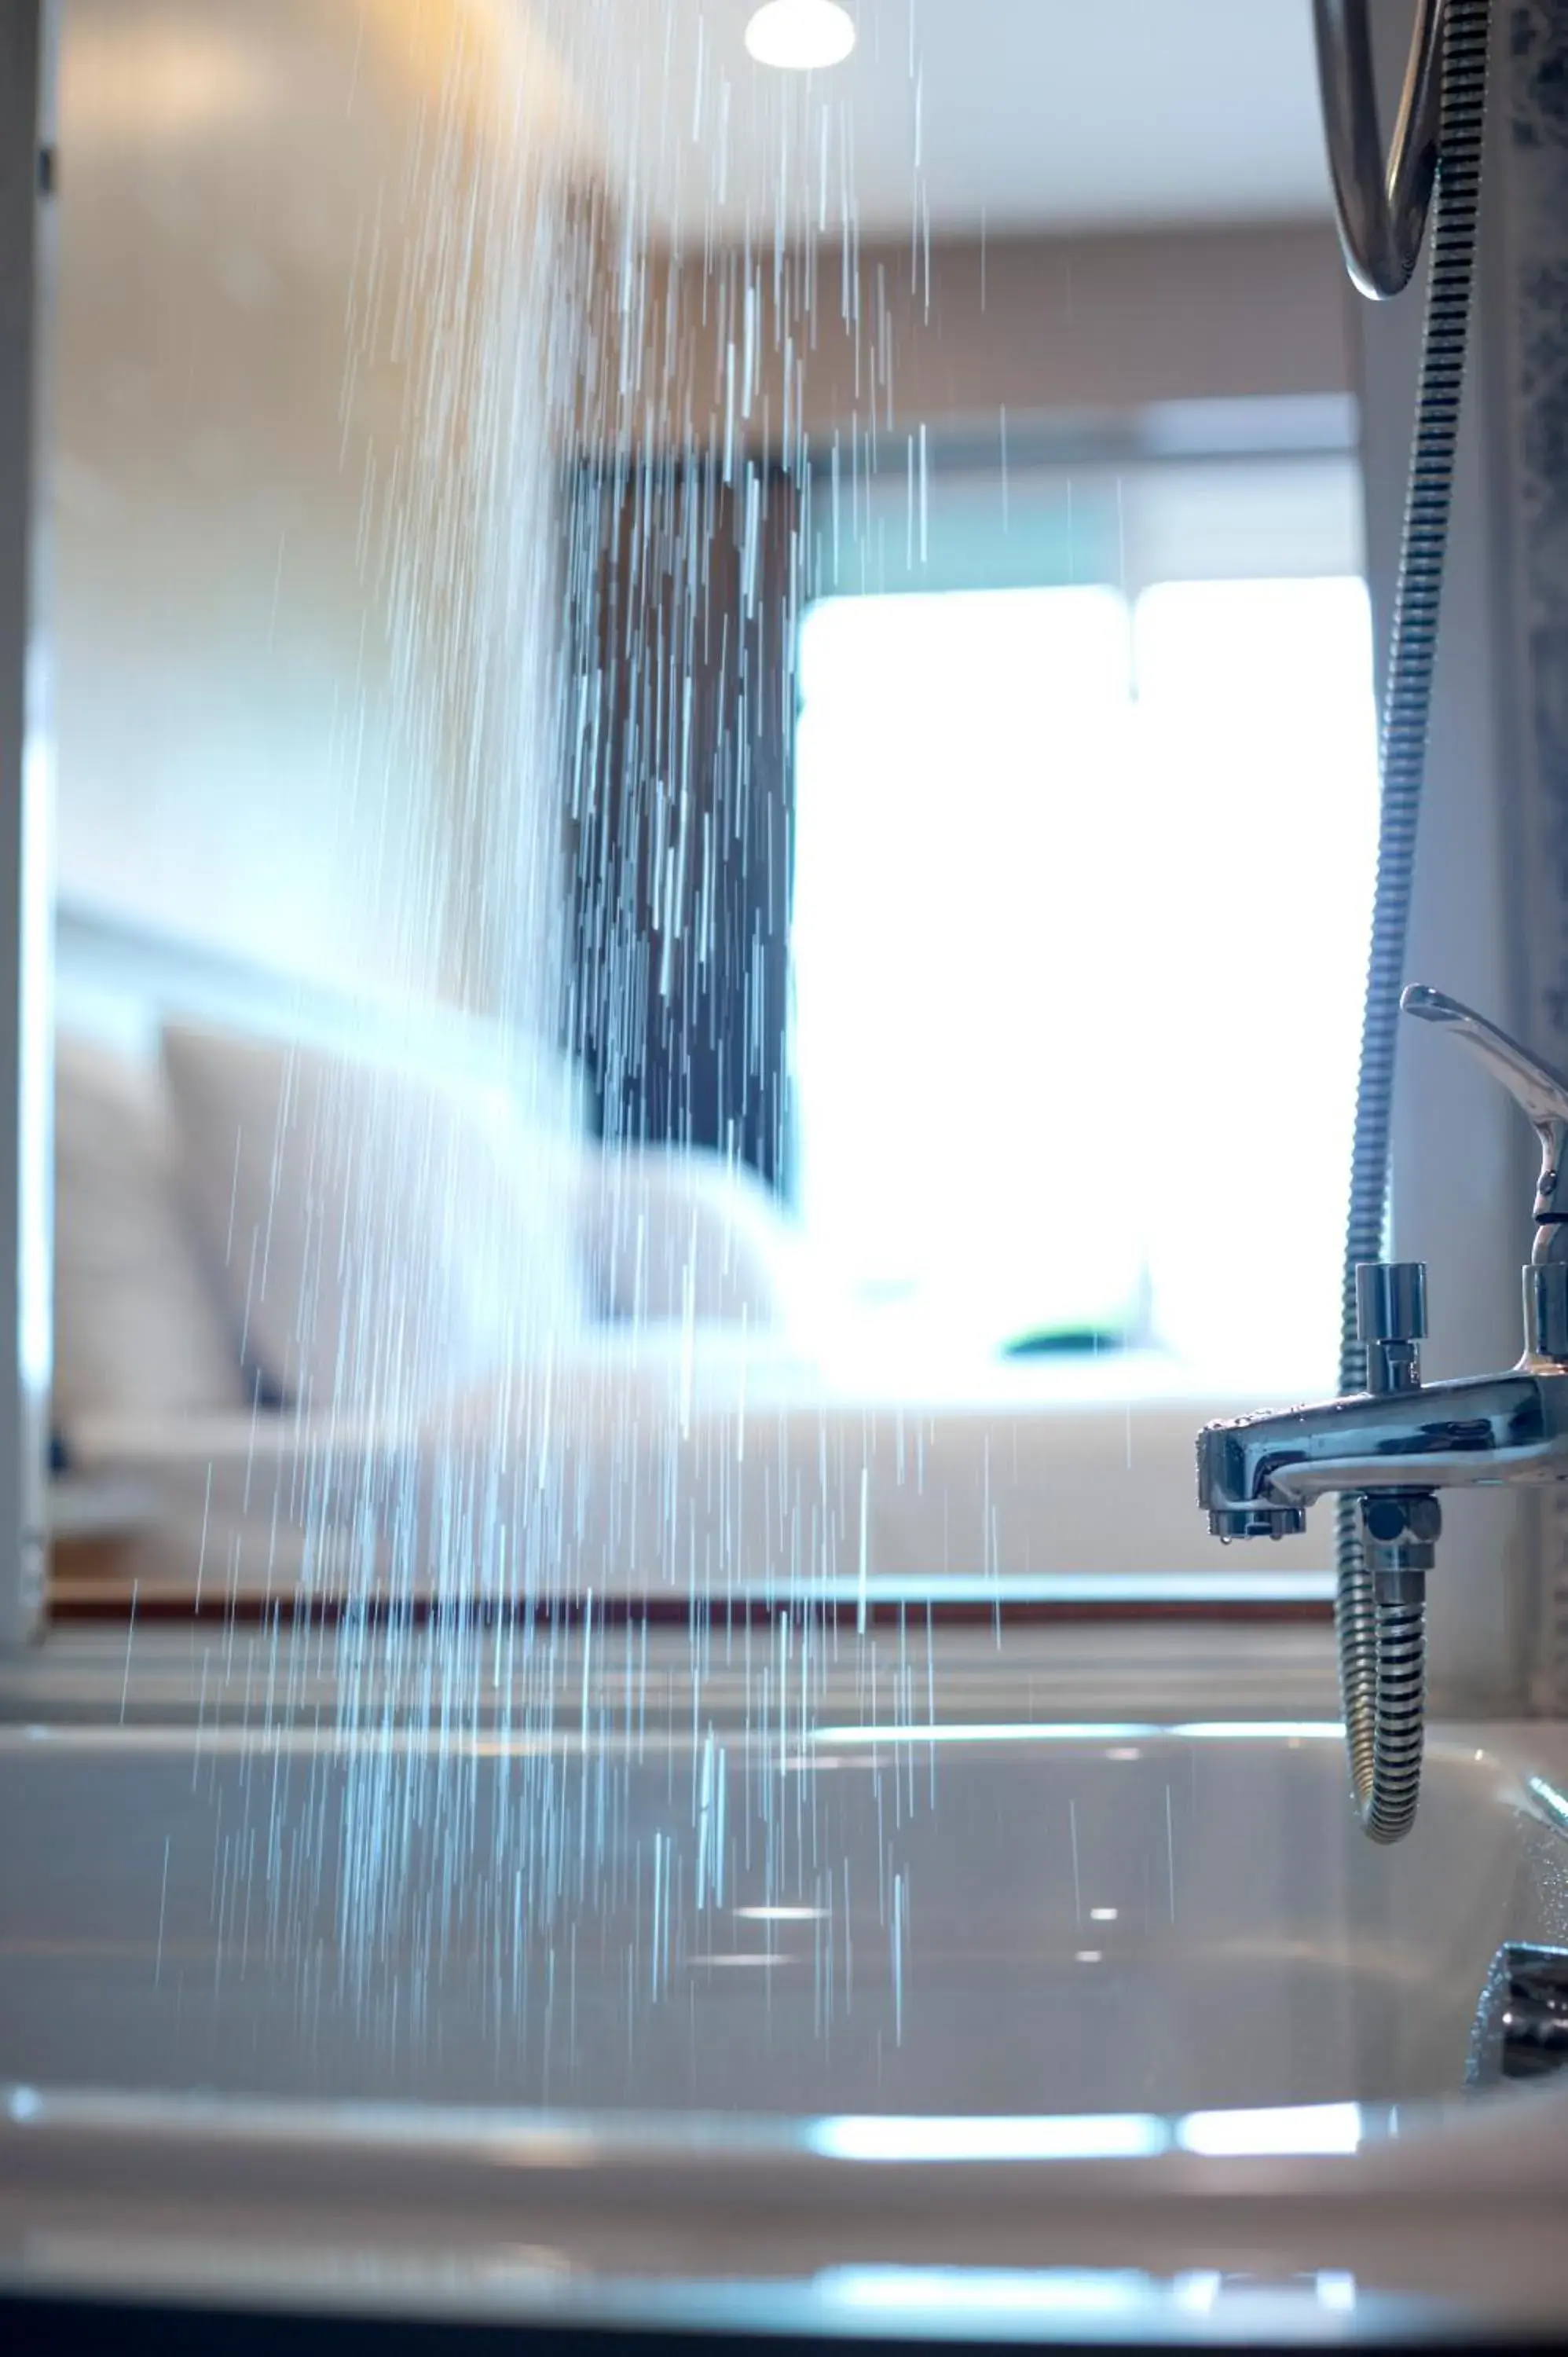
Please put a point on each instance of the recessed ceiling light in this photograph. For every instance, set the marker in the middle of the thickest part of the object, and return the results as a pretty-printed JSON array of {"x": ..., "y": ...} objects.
[{"x": 801, "y": 35}]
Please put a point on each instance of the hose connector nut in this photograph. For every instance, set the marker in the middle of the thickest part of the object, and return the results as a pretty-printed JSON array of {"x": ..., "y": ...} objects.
[{"x": 1399, "y": 1531}]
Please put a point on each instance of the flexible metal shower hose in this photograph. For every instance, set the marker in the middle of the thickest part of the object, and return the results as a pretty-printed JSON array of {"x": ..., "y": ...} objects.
[{"x": 1382, "y": 1645}]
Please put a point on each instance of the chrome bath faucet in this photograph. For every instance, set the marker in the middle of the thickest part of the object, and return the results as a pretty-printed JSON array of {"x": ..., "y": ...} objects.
[{"x": 1396, "y": 1444}]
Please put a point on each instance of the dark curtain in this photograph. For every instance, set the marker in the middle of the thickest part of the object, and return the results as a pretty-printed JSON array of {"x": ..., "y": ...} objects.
[{"x": 684, "y": 596}]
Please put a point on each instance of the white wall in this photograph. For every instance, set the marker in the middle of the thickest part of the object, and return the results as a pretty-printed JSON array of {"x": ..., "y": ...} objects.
[{"x": 284, "y": 486}]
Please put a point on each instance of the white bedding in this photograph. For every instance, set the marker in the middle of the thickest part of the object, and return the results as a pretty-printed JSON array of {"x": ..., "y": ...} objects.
[
  {"x": 652, "y": 1467},
  {"x": 677, "y": 1437}
]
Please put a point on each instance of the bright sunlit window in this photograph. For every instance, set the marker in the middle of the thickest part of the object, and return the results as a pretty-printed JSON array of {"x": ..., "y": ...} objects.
[{"x": 1082, "y": 884}]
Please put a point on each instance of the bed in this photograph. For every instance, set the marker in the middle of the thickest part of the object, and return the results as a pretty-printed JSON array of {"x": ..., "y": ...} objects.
[{"x": 620, "y": 1379}]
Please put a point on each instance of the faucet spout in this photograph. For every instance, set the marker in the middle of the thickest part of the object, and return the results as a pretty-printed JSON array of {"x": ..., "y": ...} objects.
[{"x": 1257, "y": 1474}]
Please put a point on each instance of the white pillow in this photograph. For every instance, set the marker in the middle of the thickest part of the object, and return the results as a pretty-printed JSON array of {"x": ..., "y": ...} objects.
[
  {"x": 668, "y": 1234},
  {"x": 384, "y": 1234},
  {"x": 139, "y": 1322}
]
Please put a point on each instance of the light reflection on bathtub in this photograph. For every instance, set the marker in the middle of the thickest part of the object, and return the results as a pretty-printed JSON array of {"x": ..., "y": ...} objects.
[
  {"x": 903, "y": 2139},
  {"x": 862, "y": 2138},
  {"x": 1285, "y": 2130},
  {"x": 1002, "y": 2294},
  {"x": 1280, "y": 2128},
  {"x": 1022, "y": 1733}
]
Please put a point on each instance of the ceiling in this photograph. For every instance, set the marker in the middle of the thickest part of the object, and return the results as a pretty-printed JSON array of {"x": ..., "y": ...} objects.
[{"x": 1013, "y": 114}]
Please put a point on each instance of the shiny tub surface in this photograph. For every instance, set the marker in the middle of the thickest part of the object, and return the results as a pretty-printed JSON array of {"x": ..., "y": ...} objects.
[
  {"x": 993, "y": 1918},
  {"x": 893, "y": 2007}
]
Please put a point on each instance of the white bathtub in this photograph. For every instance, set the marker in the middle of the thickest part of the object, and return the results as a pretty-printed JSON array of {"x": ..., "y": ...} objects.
[{"x": 843, "y": 2000}]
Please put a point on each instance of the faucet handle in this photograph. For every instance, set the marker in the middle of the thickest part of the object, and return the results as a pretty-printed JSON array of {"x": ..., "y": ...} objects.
[
  {"x": 1391, "y": 1322},
  {"x": 1541, "y": 1092}
]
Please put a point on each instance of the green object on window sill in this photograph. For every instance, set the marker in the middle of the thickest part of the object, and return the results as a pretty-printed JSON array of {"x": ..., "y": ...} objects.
[{"x": 1063, "y": 1343}]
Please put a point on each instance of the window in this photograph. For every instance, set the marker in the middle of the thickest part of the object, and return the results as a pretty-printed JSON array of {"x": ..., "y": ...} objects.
[{"x": 1082, "y": 879}]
